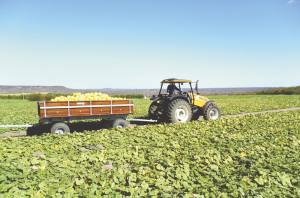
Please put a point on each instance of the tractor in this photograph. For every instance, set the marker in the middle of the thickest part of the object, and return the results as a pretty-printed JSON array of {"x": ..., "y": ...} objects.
[{"x": 181, "y": 103}]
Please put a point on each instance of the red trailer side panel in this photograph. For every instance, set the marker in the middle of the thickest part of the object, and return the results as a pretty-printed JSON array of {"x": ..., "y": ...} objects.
[{"x": 84, "y": 108}]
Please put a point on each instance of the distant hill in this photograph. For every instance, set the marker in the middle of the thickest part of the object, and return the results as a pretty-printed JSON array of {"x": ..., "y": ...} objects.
[
  {"x": 4, "y": 89},
  {"x": 10, "y": 89},
  {"x": 288, "y": 90}
]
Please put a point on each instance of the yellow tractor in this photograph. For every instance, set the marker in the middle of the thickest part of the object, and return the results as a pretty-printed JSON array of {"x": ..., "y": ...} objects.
[{"x": 180, "y": 102}]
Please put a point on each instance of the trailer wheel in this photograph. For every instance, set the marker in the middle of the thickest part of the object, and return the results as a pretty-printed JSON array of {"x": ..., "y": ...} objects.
[
  {"x": 60, "y": 128},
  {"x": 119, "y": 123}
]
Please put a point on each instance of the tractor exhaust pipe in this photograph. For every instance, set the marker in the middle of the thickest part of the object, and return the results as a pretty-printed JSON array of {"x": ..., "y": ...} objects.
[{"x": 196, "y": 88}]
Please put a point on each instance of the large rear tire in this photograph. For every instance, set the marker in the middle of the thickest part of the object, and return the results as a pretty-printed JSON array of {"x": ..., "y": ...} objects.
[
  {"x": 178, "y": 111},
  {"x": 212, "y": 112},
  {"x": 152, "y": 111}
]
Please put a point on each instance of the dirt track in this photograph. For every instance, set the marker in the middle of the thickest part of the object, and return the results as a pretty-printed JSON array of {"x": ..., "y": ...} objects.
[
  {"x": 23, "y": 133},
  {"x": 263, "y": 112}
]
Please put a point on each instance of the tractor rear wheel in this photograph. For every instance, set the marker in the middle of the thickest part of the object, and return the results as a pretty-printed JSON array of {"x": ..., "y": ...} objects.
[
  {"x": 152, "y": 111},
  {"x": 178, "y": 111},
  {"x": 212, "y": 112}
]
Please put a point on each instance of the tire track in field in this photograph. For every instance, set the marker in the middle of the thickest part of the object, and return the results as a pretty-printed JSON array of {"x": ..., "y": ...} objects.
[
  {"x": 262, "y": 112},
  {"x": 24, "y": 134}
]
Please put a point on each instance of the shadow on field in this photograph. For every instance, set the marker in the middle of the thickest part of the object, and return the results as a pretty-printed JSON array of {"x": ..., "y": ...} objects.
[
  {"x": 39, "y": 129},
  {"x": 76, "y": 126}
]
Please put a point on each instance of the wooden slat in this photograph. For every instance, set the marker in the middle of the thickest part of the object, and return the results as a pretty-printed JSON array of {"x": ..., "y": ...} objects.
[{"x": 96, "y": 111}]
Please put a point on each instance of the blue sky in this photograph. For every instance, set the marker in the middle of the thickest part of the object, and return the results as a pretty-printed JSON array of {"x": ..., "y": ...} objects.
[{"x": 135, "y": 44}]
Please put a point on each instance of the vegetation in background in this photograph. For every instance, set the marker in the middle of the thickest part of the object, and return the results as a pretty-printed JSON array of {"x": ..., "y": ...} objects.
[
  {"x": 49, "y": 96},
  {"x": 129, "y": 96},
  {"x": 286, "y": 91},
  {"x": 32, "y": 96}
]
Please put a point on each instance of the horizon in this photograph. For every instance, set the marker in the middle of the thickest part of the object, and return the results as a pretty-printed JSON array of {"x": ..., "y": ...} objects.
[
  {"x": 136, "y": 44},
  {"x": 133, "y": 88}
]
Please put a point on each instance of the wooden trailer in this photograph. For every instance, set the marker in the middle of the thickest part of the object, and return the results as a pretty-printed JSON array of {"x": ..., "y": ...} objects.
[{"x": 113, "y": 112}]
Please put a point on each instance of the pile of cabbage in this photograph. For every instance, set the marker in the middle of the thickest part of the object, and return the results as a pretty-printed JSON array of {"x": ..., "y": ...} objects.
[{"x": 86, "y": 97}]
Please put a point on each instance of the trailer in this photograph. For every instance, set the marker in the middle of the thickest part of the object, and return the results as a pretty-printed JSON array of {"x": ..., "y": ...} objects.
[{"x": 112, "y": 113}]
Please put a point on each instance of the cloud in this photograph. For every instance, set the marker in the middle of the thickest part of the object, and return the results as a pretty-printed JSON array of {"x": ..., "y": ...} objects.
[{"x": 291, "y": 1}]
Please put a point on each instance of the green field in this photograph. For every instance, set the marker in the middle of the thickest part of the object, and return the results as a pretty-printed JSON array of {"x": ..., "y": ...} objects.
[
  {"x": 251, "y": 156},
  {"x": 25, "y": 112},
  {"x": 238, "y": 157}
]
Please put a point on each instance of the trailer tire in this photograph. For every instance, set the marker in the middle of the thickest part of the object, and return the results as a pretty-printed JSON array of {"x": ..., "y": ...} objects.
[
  {"x": 120, "y": 123},
  {"x": 60, "y": 128}
]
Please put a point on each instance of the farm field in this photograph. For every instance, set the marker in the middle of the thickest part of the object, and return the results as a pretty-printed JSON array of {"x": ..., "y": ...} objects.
[
  {"x": 25, "y": 112},
  {"x": 17, "y": 112},
  {"x": 233, "y": 157}
]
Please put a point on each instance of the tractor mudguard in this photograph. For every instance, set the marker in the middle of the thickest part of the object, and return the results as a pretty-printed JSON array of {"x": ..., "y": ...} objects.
[{"x": 207, "y": 105}]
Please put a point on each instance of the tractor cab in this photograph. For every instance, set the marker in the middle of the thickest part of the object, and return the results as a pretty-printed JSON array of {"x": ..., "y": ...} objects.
[
  {"x": 182, "y": 88},
  {"x": 175, "y": 86},
  {"x": 192, "y": 105}
]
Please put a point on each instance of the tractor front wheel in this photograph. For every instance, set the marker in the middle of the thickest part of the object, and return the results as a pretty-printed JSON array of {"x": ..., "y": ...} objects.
[{"x": 212, "y": 112}]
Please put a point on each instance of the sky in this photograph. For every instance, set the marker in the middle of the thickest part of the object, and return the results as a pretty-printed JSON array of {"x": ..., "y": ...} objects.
[{"x": 136, "y": 44}]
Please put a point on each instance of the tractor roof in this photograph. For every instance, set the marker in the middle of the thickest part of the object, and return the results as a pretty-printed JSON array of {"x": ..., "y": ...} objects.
[{"x": 175, "y": 80}]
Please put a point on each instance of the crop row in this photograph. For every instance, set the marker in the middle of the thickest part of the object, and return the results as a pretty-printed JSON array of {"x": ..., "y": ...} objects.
[
  {"x": 25, "y": 112},
  {"x": 237, "y": 157}
]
